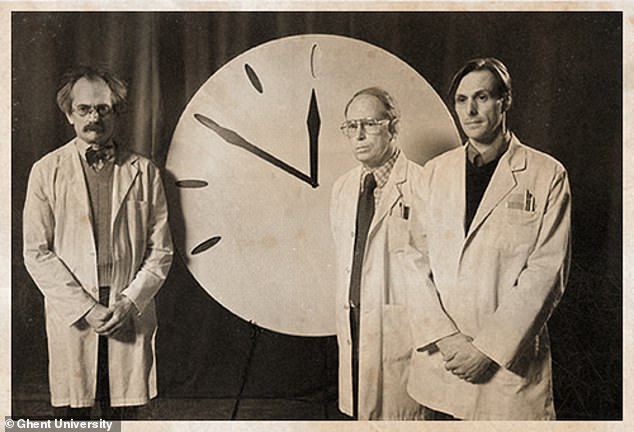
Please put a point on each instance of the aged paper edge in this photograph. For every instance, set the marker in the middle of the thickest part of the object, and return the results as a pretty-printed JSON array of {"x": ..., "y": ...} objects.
[{"x": 7, "y": 7}]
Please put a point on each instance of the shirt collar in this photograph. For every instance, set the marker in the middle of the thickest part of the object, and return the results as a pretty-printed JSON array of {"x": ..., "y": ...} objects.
[
  {"x": 490, "y": 153},
  {"x": 382, "y": 173}
]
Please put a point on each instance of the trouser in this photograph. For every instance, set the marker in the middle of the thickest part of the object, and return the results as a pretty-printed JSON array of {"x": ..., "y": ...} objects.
[
  {"x": 103, "y": 384},
  {"x": 354, "y": 333}
]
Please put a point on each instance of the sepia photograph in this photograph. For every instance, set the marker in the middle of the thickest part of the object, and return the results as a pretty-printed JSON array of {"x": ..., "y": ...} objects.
[{"x": 326, "y": 213}]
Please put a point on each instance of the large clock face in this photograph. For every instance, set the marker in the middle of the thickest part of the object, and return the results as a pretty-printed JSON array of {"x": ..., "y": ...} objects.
[{"x": 253, "y": 160}]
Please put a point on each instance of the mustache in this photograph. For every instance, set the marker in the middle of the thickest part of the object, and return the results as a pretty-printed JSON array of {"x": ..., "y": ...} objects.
[{"x": 93, "y": 127}]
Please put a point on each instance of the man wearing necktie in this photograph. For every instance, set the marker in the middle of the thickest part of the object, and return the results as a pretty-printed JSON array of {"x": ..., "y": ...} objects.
[
  {"x": 97, "y": 245},
  {"x": 372, "y": 210},
  {"x": 497, "y": 231}
]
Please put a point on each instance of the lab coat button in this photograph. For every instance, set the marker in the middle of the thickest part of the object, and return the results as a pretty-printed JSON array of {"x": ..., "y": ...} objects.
[
  {"x": 347, "y": 269},
  {"x": 352, "y": 234}
]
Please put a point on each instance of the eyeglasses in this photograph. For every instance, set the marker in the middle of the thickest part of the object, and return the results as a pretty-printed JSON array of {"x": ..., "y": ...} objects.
[
  {"x": 371, "y": 126},
  {"x": 103, "y": 110}
]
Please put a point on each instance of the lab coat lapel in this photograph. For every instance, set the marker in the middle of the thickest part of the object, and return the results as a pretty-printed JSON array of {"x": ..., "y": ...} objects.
[
  {"x": 502, "y": 182},
  {"x": 76, "y": 180},
  {"x": 346, "y": 220},
  {"x": 391, "y": 192},
  {"x": 125, "y": 171},
  {"x": 452, "y": 194},
  {"x": 352, "y": 190}
]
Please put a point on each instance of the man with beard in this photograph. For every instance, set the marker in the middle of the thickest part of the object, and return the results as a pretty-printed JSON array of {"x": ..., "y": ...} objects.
[{"x": 98, "y": 246}]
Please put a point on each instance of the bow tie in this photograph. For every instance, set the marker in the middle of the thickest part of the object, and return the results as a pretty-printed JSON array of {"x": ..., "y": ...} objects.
[{"x": 96, "y": 158}]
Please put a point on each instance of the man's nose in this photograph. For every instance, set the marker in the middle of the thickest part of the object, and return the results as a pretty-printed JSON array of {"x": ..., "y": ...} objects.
[
  {"x": 93, "y": 114},
  {"x": 360, "y": 132},
  {"x": 473, "y": 107}
]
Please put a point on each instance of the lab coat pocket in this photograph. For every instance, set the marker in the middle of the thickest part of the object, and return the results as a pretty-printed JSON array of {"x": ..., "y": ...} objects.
[
  {"x": 397, "y": 233},
  {"x": 520, "y": 217},
  {"x": 508, "y": 380},
  {"x": 397, "y": 344},
  {"x": 520, "y": 230}
]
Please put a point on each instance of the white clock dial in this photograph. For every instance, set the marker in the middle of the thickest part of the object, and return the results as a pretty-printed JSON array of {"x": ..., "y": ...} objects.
[{"x": 254, "y": 156}]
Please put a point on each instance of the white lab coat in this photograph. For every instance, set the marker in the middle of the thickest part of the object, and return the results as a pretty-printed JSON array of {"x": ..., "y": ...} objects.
[
  {"x": 60, "y": 254},
  {"x": 498, "y": 284},
  {"x": 385, "y": 340}
]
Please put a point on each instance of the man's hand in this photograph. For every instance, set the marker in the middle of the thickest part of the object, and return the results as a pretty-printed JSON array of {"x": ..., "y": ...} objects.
[
  {"x": 462, "y": 358},
  {"x": 97, "y": 316},
  {"x": 120, "y": 311},
  {"x": 449, "y": 346},
  {"x": 468, "y": 364}
]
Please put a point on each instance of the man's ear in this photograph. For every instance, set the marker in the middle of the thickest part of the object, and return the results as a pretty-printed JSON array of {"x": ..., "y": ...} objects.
[
  {"x": 506, "y": 102},
  {"x": 392, "y": 126}
]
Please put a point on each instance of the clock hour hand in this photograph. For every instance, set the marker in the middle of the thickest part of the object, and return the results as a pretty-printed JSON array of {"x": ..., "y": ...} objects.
[
  {"x": 314, "y": 123},
  {"x": 232, "y": 137}
]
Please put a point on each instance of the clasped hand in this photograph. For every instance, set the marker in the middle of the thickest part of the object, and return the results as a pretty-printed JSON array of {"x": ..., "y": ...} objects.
[
  {"x": 107, "y": 321},
  {"x": 462, "y": 358}
]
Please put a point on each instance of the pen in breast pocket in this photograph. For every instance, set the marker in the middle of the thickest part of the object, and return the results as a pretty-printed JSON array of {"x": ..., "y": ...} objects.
[
  {"x": 403, "y": 210},
  {"x": 529, "y": 201}
]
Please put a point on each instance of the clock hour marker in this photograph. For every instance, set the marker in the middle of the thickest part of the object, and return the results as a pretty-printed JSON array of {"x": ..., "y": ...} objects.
[
  {"x": 191, "y": 184},
  {"x": 233, "y": 138},
  {"x": 313, "y": 68},
  {"x": 207, "y": 244},
  {"x": 253, "y": 77}
]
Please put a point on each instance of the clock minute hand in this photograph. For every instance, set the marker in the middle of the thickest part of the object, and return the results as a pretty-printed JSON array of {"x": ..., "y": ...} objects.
[{"x": 232, "y": 137}]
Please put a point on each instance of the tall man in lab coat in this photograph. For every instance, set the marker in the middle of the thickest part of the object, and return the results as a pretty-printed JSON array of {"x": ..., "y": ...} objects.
[
  {"x": 373, "y": 208},
  {"x": 97, "y": 244},
  {"x": 497, "y": 227}
]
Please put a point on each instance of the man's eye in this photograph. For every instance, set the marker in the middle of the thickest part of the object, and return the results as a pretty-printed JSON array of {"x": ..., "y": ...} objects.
[{"x": 483, "y": 97}]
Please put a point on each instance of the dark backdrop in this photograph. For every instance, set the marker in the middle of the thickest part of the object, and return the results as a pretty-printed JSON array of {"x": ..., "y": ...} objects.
[{"x": 567, "y": 73}]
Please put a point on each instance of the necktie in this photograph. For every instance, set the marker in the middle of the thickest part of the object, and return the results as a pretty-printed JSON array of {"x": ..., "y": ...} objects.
[
  {"x": 365, "y": 212},
  {"x": 96, "y": 157}
]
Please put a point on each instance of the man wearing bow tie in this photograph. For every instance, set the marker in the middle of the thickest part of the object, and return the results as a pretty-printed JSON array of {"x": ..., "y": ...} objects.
[
  {"x": 98, "y": 246},
  {"x": 497, "y": 226}
]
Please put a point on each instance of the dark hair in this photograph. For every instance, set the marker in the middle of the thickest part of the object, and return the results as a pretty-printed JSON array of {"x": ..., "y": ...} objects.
[
  {"x": 391, "y": 109},
  {"x": 117, "y": 86},
  {"x": 496, "y": 67}
]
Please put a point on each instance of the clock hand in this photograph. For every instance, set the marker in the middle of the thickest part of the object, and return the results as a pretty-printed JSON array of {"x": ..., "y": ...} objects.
[
  {"x": 314, "y": 123},
  {"x": 233, "y": 138}
]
